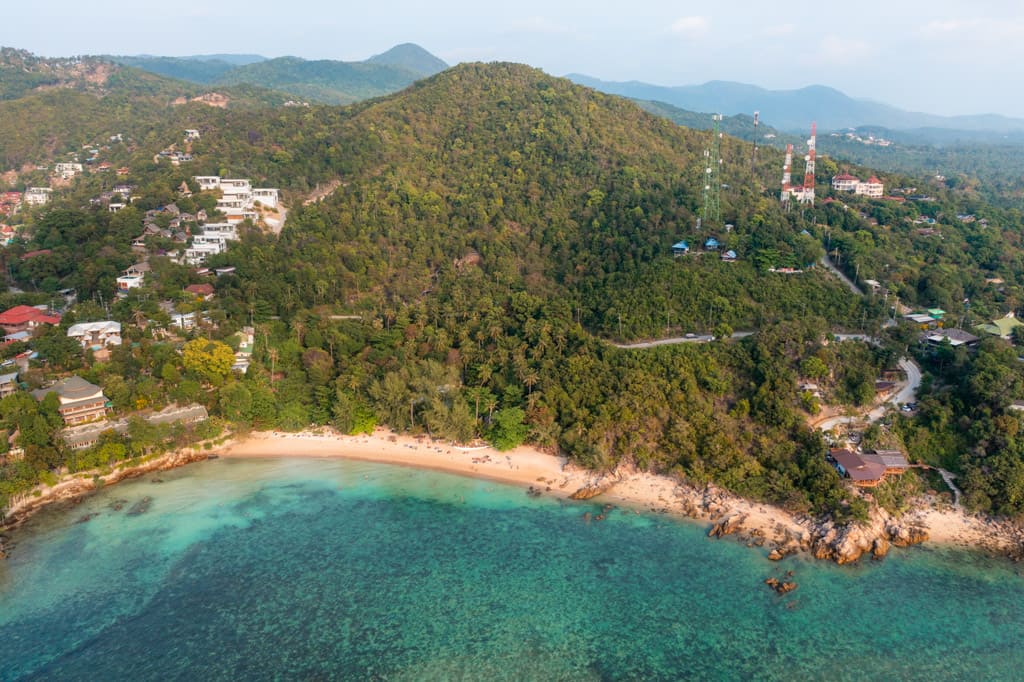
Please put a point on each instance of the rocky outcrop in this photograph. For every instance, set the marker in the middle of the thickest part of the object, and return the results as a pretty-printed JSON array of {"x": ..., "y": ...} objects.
[
  {"x": 589, "y": 491},
  {"x": 905, "y": 536},
  {"x": 848, "y": 543},
  {"x": 727, "y": 525},
  {"x": 602, "y": 483}
]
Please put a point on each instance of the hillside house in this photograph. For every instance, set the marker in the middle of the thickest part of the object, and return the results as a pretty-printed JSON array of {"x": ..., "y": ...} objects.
[
  {"x": 96, "y": 335},
  {"x": 955, "y": 337},
  {"x": 238, "y": 197},
  {"x": 711, "y": 244},
  {"x": 67, "y": 170},
  {"x": 37, "y": 196},
  {"x": 203, "y": 291},
  {"x": 132, "y": 278},
  {"x": 1003, "y": 327},
  {"x": 8, "y": 384},
  {"x": 680, "y": 249},
  {"x": 871, "y": 188},
  {"x": 23, "y": 318},
  {"x": 80, "y": 401},
  {"x": 213, "y": 240}
]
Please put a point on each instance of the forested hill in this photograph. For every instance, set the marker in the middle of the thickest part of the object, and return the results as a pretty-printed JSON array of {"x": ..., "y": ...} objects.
[
  {"x": 554, "y": 187},
  {"x": 325, "y": 81},
  {"x": 493, "y": 228}
]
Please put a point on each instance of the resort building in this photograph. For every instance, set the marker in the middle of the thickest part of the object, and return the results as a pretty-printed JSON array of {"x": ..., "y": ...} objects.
[
  {"x": 80, "y": 401},
  {"x": 213, "y": 240},
  {"x": 79, "y": 437},
  {"x": 96, "y": 335},
  {"x": 238, "y": 197},
  {"x": 868, "y": 470}
]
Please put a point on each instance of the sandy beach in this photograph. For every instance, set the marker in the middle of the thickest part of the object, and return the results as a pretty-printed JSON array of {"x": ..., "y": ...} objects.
[{"x": 755, "y": 523}]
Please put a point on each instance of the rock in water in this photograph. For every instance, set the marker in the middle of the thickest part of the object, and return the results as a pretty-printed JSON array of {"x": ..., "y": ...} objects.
[
  {"x": 880, "y": 548},
  {"x": 140, "y": 507}
]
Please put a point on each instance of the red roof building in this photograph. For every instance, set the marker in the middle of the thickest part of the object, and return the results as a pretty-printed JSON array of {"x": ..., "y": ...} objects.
[
  {"x": 22, "y": 318},
  {"x": 202, "y": 290}
]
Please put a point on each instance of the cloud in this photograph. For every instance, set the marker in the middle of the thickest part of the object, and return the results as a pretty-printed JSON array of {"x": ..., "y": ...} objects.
[
  {"x": 838, "y": 50},
  {"x": 942, "y": 28},
  {"x": 975, "y": 30},
  {"x": 691, "y": 27}
]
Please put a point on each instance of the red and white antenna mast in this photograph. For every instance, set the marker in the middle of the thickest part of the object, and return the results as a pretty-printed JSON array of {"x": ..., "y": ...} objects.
[
  {"x": 787, "y": 175},
  {"x": 807, "y": 196}
]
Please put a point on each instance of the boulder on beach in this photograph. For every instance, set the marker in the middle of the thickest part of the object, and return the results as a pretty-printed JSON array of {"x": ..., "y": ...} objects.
[{"x": 727, "y": 525}]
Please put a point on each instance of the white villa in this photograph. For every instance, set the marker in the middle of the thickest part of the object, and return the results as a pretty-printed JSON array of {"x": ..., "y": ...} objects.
[
  {"x": 96, "y": 334},
  {"x": 37, "y": 196},
  {"x": 238, "y": 197},
  {"x": 213, "y": 240},
  {"x": 872, "y": 188}
]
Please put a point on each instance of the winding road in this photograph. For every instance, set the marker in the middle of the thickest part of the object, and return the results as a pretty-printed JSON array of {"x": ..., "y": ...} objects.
[
  {"x": 696, "y": 338},
  {"x": 906, "y": 394}
]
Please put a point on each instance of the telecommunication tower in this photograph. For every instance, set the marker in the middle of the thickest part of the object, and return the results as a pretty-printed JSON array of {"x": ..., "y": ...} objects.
[
  {"x": 712, "y": 175},
  {"x": 753, "y": 151},
  {"x": 787, "y": 176},
  {"x": 807, "y": 195}
]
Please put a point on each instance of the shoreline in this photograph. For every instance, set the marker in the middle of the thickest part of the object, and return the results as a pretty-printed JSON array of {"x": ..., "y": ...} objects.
[
  {"x": 754, "y": 523},
  {"x": 773, "y": 529},
  {"x": 74, "y": 487}
]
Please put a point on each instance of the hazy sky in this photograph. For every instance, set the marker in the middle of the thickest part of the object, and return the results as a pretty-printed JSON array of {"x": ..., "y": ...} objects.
[{"x": 939, "y": 56}]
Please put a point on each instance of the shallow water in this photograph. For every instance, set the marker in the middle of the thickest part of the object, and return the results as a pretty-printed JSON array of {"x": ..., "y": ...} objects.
[{"x": 314, "y": 569}]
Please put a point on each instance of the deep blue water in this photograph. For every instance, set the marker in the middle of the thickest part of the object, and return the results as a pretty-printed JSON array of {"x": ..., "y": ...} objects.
[{"x": 314, "y": 569}]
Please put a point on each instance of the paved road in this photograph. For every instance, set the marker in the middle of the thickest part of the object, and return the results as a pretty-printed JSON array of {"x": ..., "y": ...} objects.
[
  {"x": 827, "y": 262},
  {"x": 699, "y": 338},
  {"x": 906, "y": 394}
]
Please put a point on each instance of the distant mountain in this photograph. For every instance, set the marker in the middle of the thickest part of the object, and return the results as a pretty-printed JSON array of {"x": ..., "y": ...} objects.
[
  {"x": 410, "y": 57},
  {"x": 233, "y": 59},
  {"x": 199, "y": 68},
  {"x": 326, "y": 81},
  {"x": 795, "y": 109},
  {"x": 193, "y": 69}
]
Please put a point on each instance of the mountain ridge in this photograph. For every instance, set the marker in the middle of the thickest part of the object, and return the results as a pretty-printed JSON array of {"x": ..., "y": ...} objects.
[
  {"x": 326, "y": 81},
  {"x": 793, "y": 110}
]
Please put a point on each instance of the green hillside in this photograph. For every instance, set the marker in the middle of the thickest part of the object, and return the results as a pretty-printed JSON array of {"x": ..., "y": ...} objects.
[
  {"x": 326, "y": 81},
  {"x": 181, "y": 68},
  {"x": 494, "y": 230}
]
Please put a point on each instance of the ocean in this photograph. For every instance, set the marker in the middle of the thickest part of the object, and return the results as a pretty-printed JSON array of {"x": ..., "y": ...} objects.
[{"x": 311, "y": 569}]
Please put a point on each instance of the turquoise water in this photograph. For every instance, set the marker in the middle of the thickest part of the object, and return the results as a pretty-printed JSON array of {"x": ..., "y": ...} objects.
[{"x": 313, "y": 569}]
